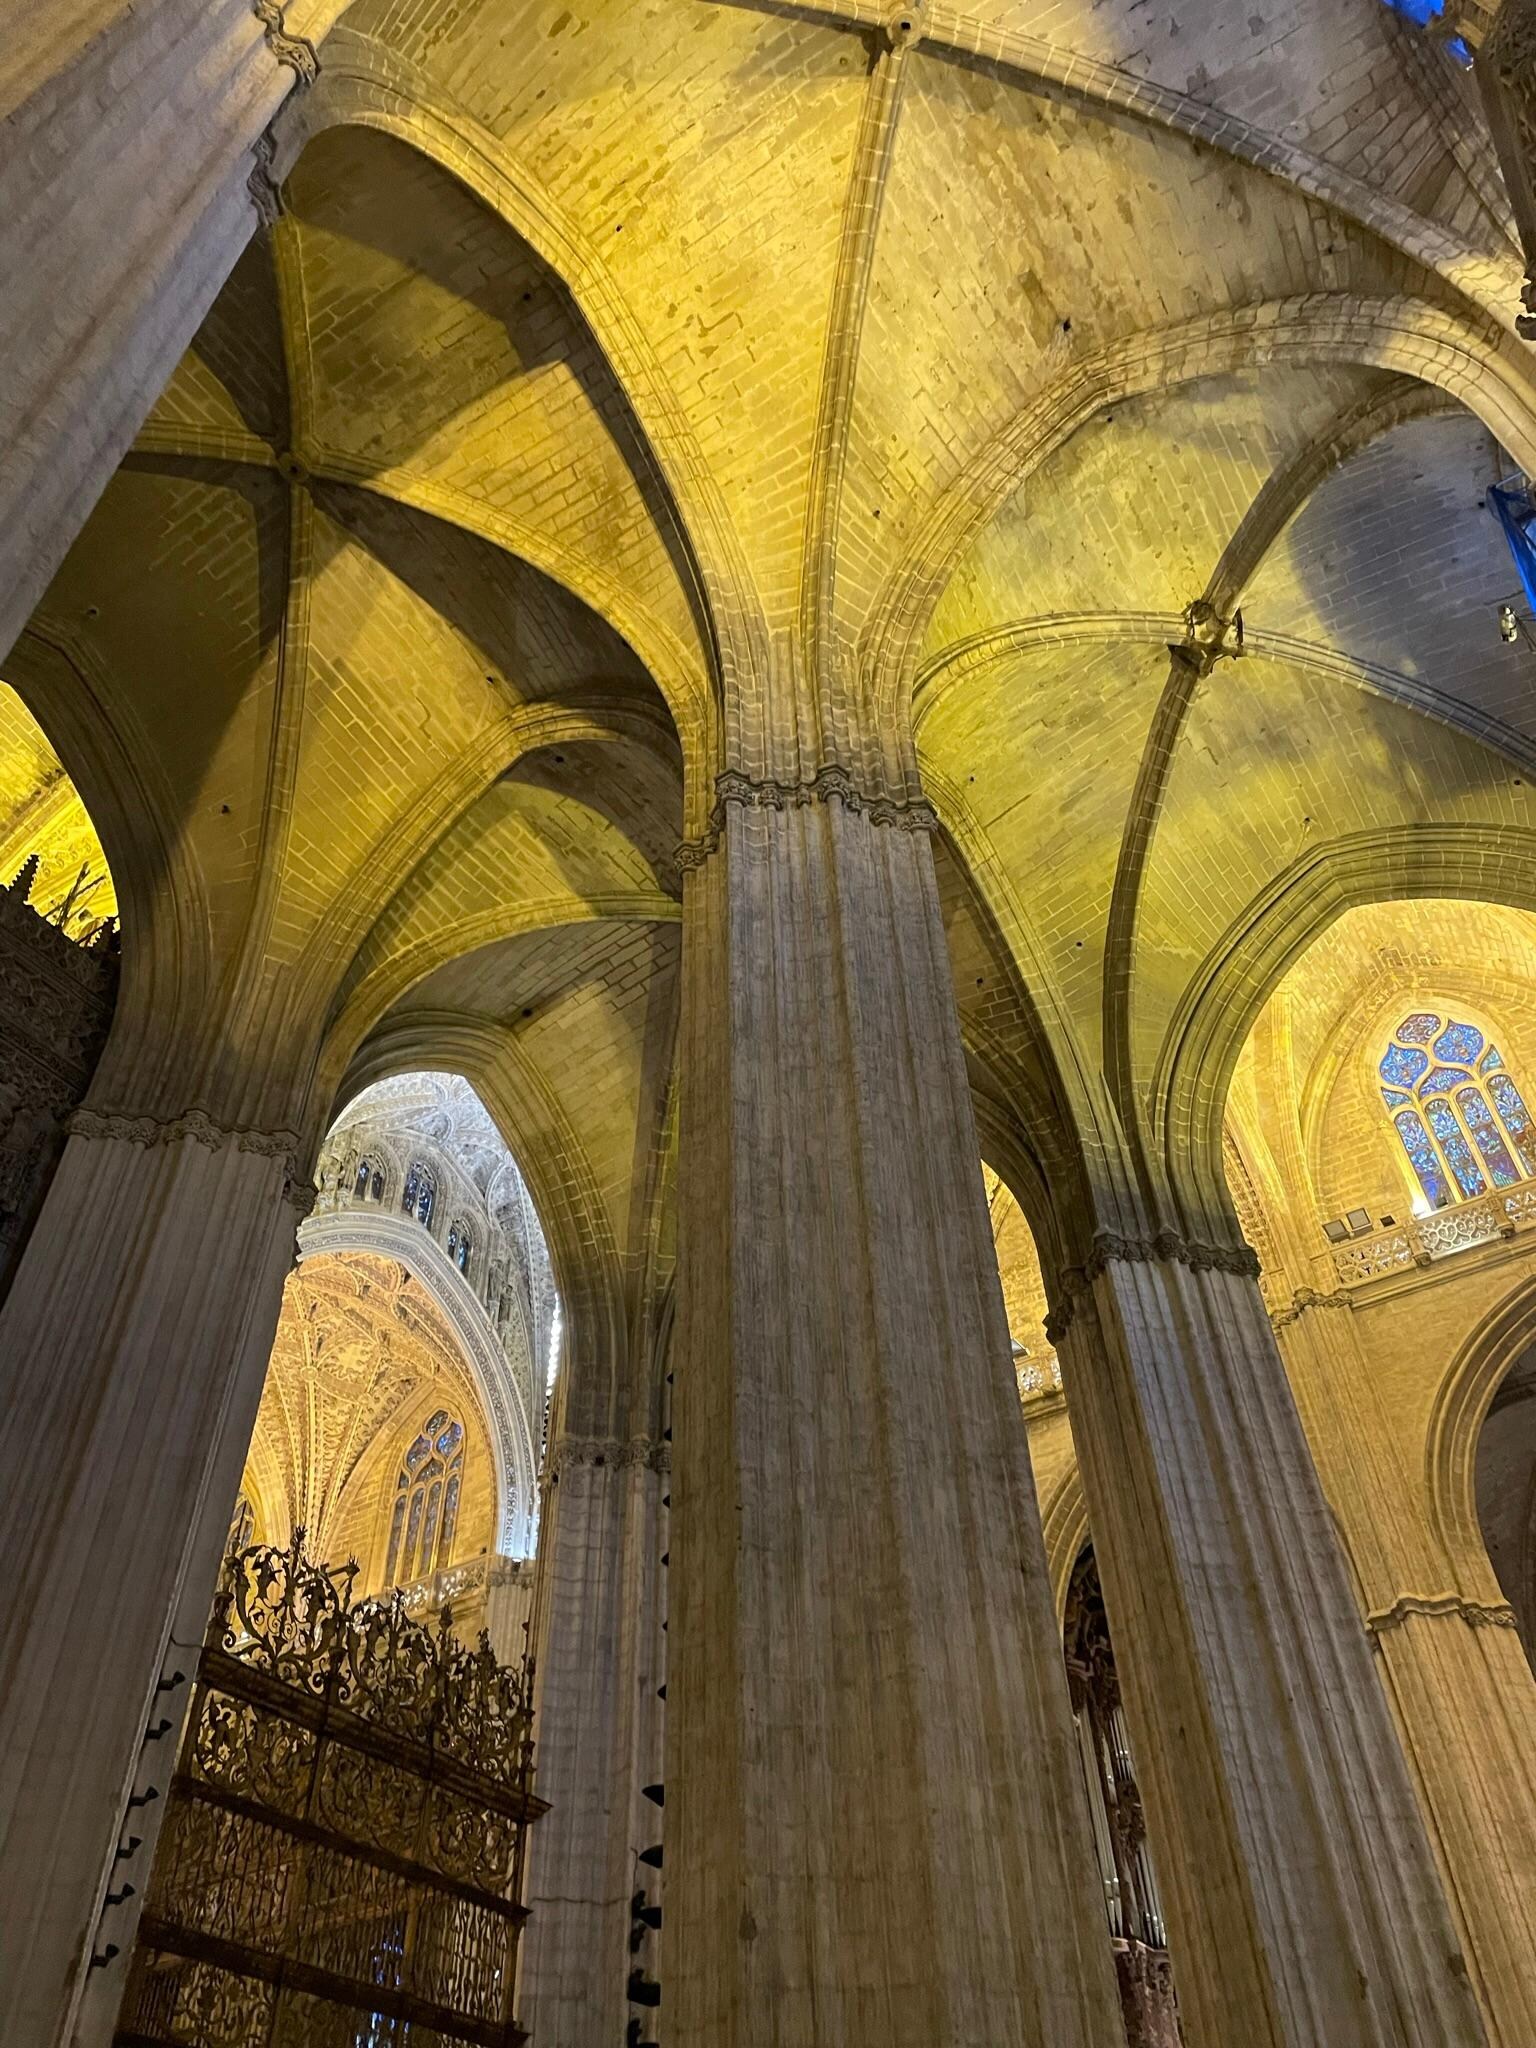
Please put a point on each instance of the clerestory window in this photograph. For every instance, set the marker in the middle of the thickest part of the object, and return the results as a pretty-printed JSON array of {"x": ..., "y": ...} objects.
[
  {"x": 1456, "y": 1110},
  {"x": 420, "y": 1194},
  {"x": 426, "y": 1510}
]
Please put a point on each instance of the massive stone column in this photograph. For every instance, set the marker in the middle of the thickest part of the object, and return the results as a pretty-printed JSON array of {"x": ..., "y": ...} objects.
[
  {"x": 875, "y": 1828},
  {"x": 1305, "y": 1907},
  {"x": 130, "y": 134},
  {"x": 598, "y": 1634},
  {"x": 1447, "y": 1647},
  {"x": 134, "y": 1339}
]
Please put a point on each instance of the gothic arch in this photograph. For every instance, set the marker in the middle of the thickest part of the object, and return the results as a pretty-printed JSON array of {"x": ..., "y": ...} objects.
[
  {"x": 1456, "y": 1423},
  {"x": 1187, "y": 1090},
  {"x": 1064, "y": 1520},
  {"x": 596, "y": 1379},
  {"x": 165, "y": 915},
  {"x": 386, "y": 1234}
]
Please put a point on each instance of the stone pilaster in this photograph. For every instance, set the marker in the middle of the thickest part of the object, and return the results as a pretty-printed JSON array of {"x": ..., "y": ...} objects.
[
  {"x": 598, "y": 1629},
  {"x": 1305, "y": 1907},
  {"x": 876, "y": 1831},
  {"x": 134, "y": 1339}
]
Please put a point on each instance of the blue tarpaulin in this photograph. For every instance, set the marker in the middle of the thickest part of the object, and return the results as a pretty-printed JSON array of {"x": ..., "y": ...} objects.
[
  {"x": 1515, "y": 509},
  {"x": 1423, "y": 13}
]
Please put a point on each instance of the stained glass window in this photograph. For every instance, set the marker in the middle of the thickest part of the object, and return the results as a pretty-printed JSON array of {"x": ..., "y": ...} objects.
[
  {"x": 458, "y": 1246},
  {"x": 1487, "y": 1136},
  {"x": 1423, "y": 1157},
  {"x": 1418, "y": 1029},
  {"x": 1508, "y": 1101},
  {"x": 426, "y": 1508},
  {"x": 1441, "y": 1080},
  {"x": 364, "y": 1176},
  {"x": 1402, "y": 1067},
  {"x": 419, "y": 1194},
  {"x": 1461, "y": 1133},
  {"x": 1455, "y": 1149},
  {"x": 1459, "y": 1042}
]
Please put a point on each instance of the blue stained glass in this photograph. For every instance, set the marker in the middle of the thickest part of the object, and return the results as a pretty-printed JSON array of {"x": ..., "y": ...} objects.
[
  {"x": 1418, "y": 1029},
  {"x": 1459, "y": 1042},
  {"x": 1458, "y": 1153},
  {"x": 1401, "y": 1067},
  {"x": 1423, "y": 1158},
  {"x": 1442, "y": 1080},
  {"x": 451, "y": 1438},
  {"x": 1508, "y": 1102},
  {"x": 1487, "y": 1137},
  {"x": 1394, "y": 1098},
  {"x": 1489, "y": 1060},
  {"x": 450, "y": 1521}
]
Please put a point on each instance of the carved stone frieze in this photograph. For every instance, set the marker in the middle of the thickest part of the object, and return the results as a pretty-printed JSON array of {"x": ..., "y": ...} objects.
[
  {"x": 1306, "y": 1298},
  {"x": 621, "y": 1452},
  {"x": 832, "y": 784},
  {"x": 193, "y": 1123},
  {"x": 1109, "y": 1248}
]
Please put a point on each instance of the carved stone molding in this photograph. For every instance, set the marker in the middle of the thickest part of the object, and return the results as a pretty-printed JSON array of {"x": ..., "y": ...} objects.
[
  {"x": 1307, "y": 1298},
  {"x": 297, "y": 52},
  {"x": 1110, "y": 1249},
  {"x": 266, "y": 193},
  {"x": 621, "y": 1452},
  {"x": 832, "y": 784},
  {"x": 194, "y": 1123},
  {"x": 1438, "y": 1606}
]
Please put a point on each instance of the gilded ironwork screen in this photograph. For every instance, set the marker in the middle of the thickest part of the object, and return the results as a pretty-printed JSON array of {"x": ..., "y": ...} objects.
[{"x": 343, "y": 1842}]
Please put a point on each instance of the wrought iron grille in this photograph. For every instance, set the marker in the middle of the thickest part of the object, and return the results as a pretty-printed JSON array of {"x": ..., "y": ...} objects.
[{"x": 343, "y": 1842}]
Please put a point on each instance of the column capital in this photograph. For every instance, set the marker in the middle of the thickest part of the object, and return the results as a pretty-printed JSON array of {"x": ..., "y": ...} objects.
[
  {"x": 195, "y": 1125},
  {"x": 832, "y": 783},
  {"x": 620, "y": 1452},
  {"x": 1109, "y": 1248},
  {"x": 1438, "y": 1607}
]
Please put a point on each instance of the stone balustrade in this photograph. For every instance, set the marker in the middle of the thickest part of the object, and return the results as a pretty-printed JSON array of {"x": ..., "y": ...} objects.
[{"x": 1424, "y": 1239}]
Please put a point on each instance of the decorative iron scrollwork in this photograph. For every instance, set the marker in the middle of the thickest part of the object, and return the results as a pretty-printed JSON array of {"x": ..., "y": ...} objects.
[{"x": 345, "y": 1832}]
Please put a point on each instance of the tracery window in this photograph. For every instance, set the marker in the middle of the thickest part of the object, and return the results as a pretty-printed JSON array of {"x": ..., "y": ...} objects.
[
  {"x": 458, "y": 1246},
  {"x": 425, "y": 1516},
  {"x": 420, "y": 1193},
  {"x": 368, "y": 1182},
  {"x": 1458, "y": 1114}
]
